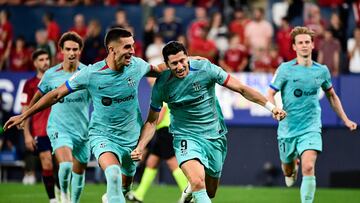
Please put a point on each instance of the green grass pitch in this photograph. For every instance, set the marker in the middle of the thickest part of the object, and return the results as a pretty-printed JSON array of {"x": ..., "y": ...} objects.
[{"x": 18, "y": 193}]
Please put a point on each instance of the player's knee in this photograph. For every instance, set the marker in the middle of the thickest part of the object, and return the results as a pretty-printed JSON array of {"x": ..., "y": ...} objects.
[
  {"x": 65, "y": 167},
  {"x": 308, "y": 169},
  {"x": 197, "y": 183},
  {"x": 113, "y": 174}
]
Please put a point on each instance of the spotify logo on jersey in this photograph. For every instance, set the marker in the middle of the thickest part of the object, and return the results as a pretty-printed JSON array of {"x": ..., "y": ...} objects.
[
  {"x": 298, "y": 93},
  {"x": 106, "y": 101}
]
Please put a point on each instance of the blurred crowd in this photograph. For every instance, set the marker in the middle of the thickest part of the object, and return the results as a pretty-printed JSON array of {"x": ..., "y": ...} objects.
[
  {"x": 239, "y": 36},
  {"x": 202, "y": 3}
]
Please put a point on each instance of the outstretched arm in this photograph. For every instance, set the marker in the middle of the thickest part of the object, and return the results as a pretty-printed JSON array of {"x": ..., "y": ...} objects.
[
  {"x": 254, "y": 96},
  {"x": 271, "y": 95},
  {"x": 147, "y": 133},
  {"x": 46, "y": 101},
  {"x": 337, "y": 107}
]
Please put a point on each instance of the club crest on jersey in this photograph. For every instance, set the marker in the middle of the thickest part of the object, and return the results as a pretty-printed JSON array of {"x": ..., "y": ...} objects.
[
  {"x": 196, "y": 86},
  {"x": 131, "y": 82},
  {"x": 102, "y": 145}
]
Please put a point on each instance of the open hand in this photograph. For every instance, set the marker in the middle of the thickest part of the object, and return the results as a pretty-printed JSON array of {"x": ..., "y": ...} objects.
[{"x": 14, "y": 121}]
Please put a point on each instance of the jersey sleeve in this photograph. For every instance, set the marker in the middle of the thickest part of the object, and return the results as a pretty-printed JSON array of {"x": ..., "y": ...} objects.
[
  {"x": 26, "y": 94},
  {"x": 44, "y": 85},
  {"x": 279, "y": 79},
  {"x": 217, "y": 74},
  {"x": 327, "y": 84},
  {"x": 145, "y": 67},
  {"x": 156, "y": 97},
  {"x": 78, "y": 80}
]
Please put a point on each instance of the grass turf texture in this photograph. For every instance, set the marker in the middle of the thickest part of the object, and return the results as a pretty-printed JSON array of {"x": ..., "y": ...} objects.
[{"x": 18, "y": 193}]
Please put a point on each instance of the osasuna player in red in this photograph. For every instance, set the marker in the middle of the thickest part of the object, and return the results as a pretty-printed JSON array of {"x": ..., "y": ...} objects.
[{"x": 36, "y": 139}]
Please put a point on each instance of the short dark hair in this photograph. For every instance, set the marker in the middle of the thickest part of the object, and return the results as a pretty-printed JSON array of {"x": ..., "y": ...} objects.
[
  {"x": 114, "y": 34},
  {"x": 37, "y": 53},
  {"x": 71, "y": 36},
  {"x": 172, "y": 48}
]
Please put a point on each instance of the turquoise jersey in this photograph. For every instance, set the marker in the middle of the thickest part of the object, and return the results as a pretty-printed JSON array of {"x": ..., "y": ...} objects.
[
  {"x": 193, "y": 105},
  {"x": 299, "y": 87},
  {"x": 71, "y": 114},
  {"x": 115, "y": 99}
]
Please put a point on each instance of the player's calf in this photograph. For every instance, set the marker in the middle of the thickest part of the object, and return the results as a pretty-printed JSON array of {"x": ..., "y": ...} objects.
[
  {"x": 290, "y": 179},
  {"x": 113, "y": 179}
]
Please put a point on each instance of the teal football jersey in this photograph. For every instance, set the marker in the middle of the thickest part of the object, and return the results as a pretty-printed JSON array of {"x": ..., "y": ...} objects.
[
  {"x": 192, "y": 101},
  {"x": 115, "y": 99},
  {"x": 299, "y": 87},
  {"x": 71, "y": 114}
]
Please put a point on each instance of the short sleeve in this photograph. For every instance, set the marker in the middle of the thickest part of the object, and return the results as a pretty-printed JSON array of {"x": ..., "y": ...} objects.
[
  {"x": 44, "y": 85},
  {"x": 327, "y": 84},
  {"x": 279, "y": 79},
  {"x": 156, "y": 97},
  {"x": 78, "y": 80},
  {"x": 26, "y": 94},
  {"x": 217, "y": 74},
  {"x": 145, "y": 67}
]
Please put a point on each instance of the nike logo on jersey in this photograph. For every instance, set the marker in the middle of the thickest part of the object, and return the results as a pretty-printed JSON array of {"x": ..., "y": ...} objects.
[
  {"x": 100, "y": 88},
  {"x": 296, "y": 80}
]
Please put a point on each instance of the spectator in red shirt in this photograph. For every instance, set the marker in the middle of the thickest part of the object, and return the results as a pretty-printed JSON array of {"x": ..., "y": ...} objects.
[
  {"x": 329, "y": 52},
  {"x": 283, "y": 40},
  {"x": 177, "y": 2},
  {"x": 235, "y": 58},
  {"x": 52, "y": 28},
  {"x": 79, "y": 25},
  {"x": 20, "y": 57},
  {"x": 261, "y": 61},
  {"x": 36, "y": 139},
  {"x": 203, "y": 46},
  {"x": 238, "y": 24},
  {"x": 206, "y": 3},
  {"x": 275, "y": 59},
  {"x": 6, "y": 35},
  {"x": 266, "y": 60},
  {"x": 200, "y": 21}
]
